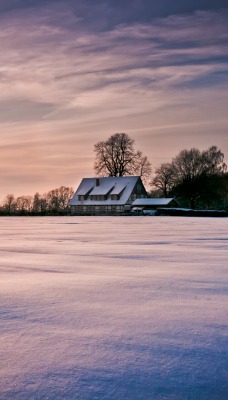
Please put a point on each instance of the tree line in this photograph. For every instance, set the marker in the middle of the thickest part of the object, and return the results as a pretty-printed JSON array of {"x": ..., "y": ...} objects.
[
  {"x": 198, "y": 179},
  {"x": 54, "y": 202}
]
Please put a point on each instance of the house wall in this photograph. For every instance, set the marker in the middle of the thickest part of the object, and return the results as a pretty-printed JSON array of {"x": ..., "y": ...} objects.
[
  {"x": 138, "y": 192},
  {"x": 97, "y": 210},
  {"x": 174, "y": 203},
  {"x": 155, "y": 207}
]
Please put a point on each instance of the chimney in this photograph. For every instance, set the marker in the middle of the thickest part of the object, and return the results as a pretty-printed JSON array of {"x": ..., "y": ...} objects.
[{"x": 97, "y": 182}]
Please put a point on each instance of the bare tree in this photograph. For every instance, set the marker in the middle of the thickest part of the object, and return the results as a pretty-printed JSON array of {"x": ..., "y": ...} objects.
[
  {"x": 196, "y": 173},
  {"x": 58, "y": 199},
  {"x": 23, "y": 204},
  {"x": 214, "y": 161},
  {"x": 65, "y": 195},
  {"x": 191, "y": 175},
  {"x": 164, "y": 179},
  {"x": 9, "y": 203},
  {"x": 36, "y": 205},
  {"x": 116, "y": 156},
  {"x": 142, "y": 167}
]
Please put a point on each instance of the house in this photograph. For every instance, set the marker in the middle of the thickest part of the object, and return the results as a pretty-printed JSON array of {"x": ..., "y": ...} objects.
[
  {"x": 110, "y": 195},
  {"x": 153, "y": 203}
]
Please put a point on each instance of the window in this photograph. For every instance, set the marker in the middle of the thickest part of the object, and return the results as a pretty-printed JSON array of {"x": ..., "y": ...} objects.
[
  {"x": 97, "y": 197},
  {"x": 115, "y": 197}
]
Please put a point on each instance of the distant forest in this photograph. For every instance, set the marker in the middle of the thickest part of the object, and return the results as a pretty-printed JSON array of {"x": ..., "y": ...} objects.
[
  {"x": 54, "y": 202},
  {"x": 197, "y": 179}
]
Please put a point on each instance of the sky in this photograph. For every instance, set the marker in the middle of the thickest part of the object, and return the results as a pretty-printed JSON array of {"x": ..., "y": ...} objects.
[{"x": 74, "y": 72}]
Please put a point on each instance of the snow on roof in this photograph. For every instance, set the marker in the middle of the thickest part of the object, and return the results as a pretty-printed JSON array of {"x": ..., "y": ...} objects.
[
  {"x": 105, "y": 185},
  {"x": 118, "y": 188},
  {"x": 152, "y": 202},
  {"x": 85, "y": 186}
]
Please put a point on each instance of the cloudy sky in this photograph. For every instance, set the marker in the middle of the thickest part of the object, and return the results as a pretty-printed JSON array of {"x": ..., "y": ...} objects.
[{"x": 73, "y": 72}]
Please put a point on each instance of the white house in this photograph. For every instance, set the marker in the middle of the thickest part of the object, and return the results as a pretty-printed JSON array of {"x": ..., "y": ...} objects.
[{"x": 110, "y": 195}]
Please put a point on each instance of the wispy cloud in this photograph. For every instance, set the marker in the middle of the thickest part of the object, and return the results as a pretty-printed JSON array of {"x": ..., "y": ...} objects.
[
  {"x": 71, "y": 62},
  {"x": 61, "y": 78}
]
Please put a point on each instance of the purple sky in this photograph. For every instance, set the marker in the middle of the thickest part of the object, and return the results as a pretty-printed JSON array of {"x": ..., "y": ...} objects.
[{"x": 74, "y": 72}]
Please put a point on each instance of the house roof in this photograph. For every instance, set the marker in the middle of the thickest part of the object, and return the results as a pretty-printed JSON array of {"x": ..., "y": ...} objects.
[
  {"x": 85, "y": 187},
  {"x": 118, "y": 187},
  {"x": 107, "y": 186},
  {"x": 152, "y": 202}
]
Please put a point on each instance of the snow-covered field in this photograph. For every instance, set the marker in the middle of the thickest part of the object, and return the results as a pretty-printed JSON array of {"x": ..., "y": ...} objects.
[{"x": 113, "y": 308}]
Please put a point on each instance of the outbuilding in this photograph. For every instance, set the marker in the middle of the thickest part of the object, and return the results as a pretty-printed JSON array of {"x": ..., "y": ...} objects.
[{"x": 154, "y": 203}]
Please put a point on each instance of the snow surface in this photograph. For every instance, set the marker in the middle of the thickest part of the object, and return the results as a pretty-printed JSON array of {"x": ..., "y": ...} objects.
[{"x": 113, "y": 308}]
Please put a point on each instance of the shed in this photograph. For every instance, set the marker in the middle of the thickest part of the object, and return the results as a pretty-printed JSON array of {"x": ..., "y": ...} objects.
[{"x": 155, "y": 203}]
